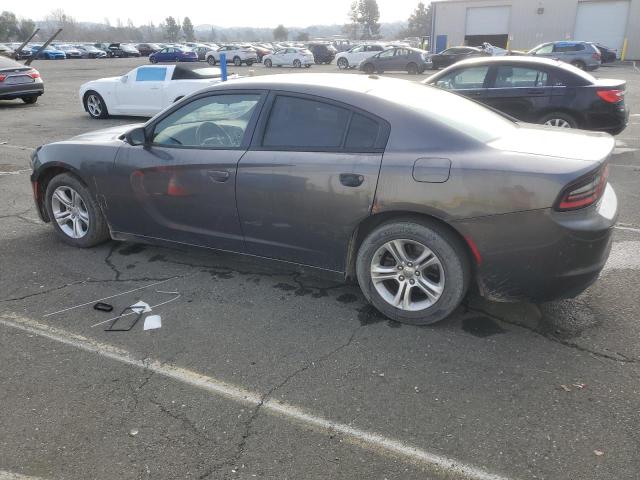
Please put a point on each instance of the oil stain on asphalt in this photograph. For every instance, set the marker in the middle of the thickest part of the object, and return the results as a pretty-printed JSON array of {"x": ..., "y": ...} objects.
[{"x": 481, "y": 326}]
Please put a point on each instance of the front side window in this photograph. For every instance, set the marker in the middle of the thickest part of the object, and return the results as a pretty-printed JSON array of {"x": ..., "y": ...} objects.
[
  {"x": 465, "y": 79},
  {"x": 543, "y": 49},
  {"x": 305, "y": 124},
  {"x": 150, "y": 74},
  {"x": 520, "y": 77},
  {"x": 217, "y": 121}
]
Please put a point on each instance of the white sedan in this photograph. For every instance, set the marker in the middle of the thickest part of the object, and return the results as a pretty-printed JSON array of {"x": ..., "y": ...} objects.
[
  {"x": 352, "y": 58},
  {"x": 290, "y": 56},
  {"x": 144, "y": 91}
]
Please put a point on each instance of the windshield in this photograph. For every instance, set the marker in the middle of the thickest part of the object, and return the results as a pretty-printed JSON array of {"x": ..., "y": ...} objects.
[{"x": 457, "y": 112}]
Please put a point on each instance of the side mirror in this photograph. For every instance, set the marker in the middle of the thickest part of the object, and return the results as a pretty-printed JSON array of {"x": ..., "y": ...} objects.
[
  {"x": 137, "y": 136},
  {"x": 124, "y": 78}
]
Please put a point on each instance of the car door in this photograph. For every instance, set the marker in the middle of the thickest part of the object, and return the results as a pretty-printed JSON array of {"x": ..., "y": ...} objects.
[
  {"x": 140, "y": 92},
  {"x": 401, "y": 59},
  {"x": 308, "y": 179},
  {"x": 521, "y": 91},
  {"x": 384, "y": 60},
  {"x": 180, "y": 186},
  {"x": 447, "y": 57},
  {"x": 470, "y": 81}
]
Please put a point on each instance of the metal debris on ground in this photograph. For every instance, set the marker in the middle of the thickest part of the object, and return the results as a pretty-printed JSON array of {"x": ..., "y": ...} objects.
[{"x": 152, "y": 322}]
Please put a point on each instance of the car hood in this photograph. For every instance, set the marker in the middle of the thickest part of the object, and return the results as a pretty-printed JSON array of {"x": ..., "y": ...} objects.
[
  {"x": 557, "y": 142},
  {"x": 105, "y": 134}
]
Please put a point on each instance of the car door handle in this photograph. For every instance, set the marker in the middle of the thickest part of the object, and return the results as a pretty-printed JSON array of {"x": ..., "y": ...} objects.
[
  {"x": 219, "y": 176},
  {"x": 351, "y": 179}
]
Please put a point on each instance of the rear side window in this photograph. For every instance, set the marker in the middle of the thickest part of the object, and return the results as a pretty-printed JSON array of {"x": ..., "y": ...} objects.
[
  {"x": 301, "y": 123},
  {"x": 519, "y": 77},
  {"x": 363, "y": 132},
  {"x": 150, "y": 74}
]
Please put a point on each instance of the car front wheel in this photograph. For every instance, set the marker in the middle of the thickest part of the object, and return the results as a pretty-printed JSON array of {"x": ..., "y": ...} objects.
[
  {"x": 75, "y": 215},
  {"x": 267, "y": 63},
  {"x": 30, "y": 100},
  {"x": 413, "y": 272},
  {"x": 211, "y": 61},
  {"x": 369, "y": 69},
  {"x": 343, "y": 63},
  {"x": 237, "y": 61},
  {"x": 95, "y": 106}
]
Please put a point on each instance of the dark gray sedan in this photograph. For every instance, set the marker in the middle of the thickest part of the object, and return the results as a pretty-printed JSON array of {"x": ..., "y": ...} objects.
[
  {"x": 19, "y": 81},
  {"x": 416, "y": 192},
  {"x": 400, "y": 59}
]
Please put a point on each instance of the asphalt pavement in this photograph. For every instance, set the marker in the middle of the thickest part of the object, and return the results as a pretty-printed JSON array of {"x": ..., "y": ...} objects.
[{"x": 261, "y": 371}]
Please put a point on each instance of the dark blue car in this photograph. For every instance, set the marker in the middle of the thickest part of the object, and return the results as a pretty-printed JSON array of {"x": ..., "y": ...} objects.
[
  {"x": 173, "y": 54},
  {"x": 49, "y": 53}
]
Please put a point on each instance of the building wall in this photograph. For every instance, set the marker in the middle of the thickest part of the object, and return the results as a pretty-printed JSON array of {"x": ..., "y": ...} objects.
[{"x": 527, "y": 27}]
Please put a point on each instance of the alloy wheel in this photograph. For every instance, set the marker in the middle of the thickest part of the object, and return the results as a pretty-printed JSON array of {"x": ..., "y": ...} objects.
[
  {"x": 407, "y": 275},
  {"x": 558, "y": 122},
  {"x": 70, "y": 212},
  {"x": 343, "y": 63},
  {"x": 94, "y": 106},
  {"x": 297, "y": 63}
]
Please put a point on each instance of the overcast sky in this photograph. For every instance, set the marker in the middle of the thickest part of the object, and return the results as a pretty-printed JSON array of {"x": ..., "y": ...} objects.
[{"x": 233, "y": 13}]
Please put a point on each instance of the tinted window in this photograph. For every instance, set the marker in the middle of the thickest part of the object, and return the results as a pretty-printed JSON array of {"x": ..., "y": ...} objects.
[
  {"x": 150, "y": 74},
  {"x": 568, "y": 47},
  {"x": 363, "y": 132},
  {"x": 216, "y": 121},
  {"x": 464, "y": 79},
  {"x": 515, "y": 77},
  {"x": 302, "y": 123}
]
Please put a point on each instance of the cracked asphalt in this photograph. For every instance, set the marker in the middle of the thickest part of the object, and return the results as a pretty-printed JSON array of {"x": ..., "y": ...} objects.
[{"x": 518, "y": 390}]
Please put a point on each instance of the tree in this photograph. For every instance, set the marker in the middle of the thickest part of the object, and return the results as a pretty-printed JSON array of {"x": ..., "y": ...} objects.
[
  {"x": 351, "y": 28},
  {"x": 171, "y": 29},
  {"x": 187, "y": 29},
  {"x": 25, "y": 28},
  {"x": 419, "y": 23},
  {"x": 302, "y": 37},
  {"x": 368, "y": 16},
  {"x": 8, "y": 26},
  {"x": 280, "y": 33}
]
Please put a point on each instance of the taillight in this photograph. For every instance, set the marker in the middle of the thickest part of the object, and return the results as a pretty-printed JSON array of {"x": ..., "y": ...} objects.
[
  {"x": 584, "y": 192},
  {"x": 611, "y": 96},
  {"x": 33, "y": 74},
  {"x": 2, "y": 77}
]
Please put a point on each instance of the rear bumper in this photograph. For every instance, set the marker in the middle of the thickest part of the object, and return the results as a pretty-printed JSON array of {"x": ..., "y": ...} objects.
[
  {"x": 542, "y": 255},
  {"x": 10, "y": 92},
  {"x": 612, "y": 119}
]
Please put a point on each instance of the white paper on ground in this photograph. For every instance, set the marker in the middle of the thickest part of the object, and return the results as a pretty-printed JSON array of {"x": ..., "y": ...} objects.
[
  {"x": 140, "y": 307},
  {"x": 152, "y": 322}
]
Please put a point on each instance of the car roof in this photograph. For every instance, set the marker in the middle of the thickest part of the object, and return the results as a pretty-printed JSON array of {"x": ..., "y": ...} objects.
[{"x": 549, "y": 62}]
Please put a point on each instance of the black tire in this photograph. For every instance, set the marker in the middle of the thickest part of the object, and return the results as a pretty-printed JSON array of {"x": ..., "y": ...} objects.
[
  {"x": 211, "y": 60},
  {"x": 412, "y": 69},
  {"x": 369, "y": 69},
  {"x": 559, "y": 116},
  {"x": 104, "y": 113},
  {"x": 268, "y": 63},
  {"x": 297, "y": 63},
  {"x": 237, "y": 61},
  {"x": 153, "y": 60},
  {"x": 448, "y": 249},
  {"x": 343, "y": 63},
  {"x": 98, "y": 230},
  {"x": 579, "y": 64},
  {"x": 30, "y": 100}
]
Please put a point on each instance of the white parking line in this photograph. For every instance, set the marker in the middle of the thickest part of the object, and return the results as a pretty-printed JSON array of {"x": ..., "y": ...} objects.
[
  {"x": 372, "y": 441},
  {"x": 624, "y": 256},
  {"x": 627, "y": 228},
  {"x": 4, "y": 475}
]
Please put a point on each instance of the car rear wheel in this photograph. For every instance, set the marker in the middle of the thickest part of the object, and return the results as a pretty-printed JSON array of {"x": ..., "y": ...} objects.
[
  {"x": 559, "y": 119},
  {"x": 412, "y": 69},
  {"x": 412, "y": 272},
  {"x": 579, "y": 64},
  {"x": 237, "y": 61},
  {"x": 95, "y": 106},
  {"x": 268, "y": 63},
  {"x": 297, "y": 63},
  {"x": 30, "y": 100},
  {"x": 369, "y": 69},
  {"x": 343, "y": 63},
  {"x": 75, "y": 215},
  {"x": 211, "y": 60}
]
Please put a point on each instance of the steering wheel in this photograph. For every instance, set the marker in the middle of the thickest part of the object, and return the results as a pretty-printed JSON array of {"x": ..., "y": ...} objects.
[{"x": 210, "y": 133}]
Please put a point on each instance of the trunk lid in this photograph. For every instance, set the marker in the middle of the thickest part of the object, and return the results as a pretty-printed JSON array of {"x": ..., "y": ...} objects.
[{"x": 546, "y": 141}]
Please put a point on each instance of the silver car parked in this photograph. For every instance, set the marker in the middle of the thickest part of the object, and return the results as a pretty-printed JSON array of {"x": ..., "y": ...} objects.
[{"x": 583, "y": 55}]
